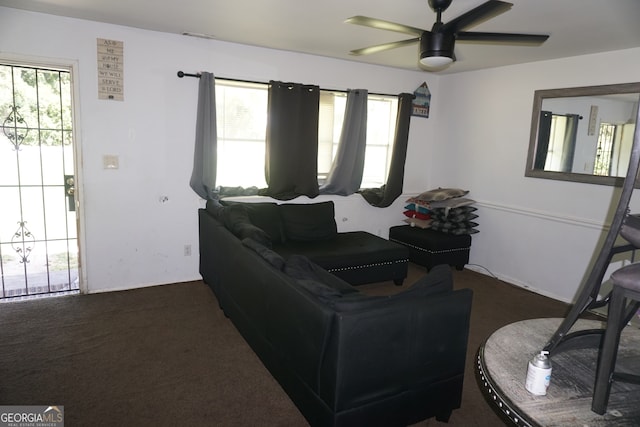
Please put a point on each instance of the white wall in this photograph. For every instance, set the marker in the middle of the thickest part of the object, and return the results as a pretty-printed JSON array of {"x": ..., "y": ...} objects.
[
  {"x": 536, "y": 233},
  {"x": 131, "y": 238}
]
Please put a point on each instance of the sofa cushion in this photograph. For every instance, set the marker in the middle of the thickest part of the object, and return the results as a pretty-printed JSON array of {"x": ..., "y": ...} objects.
[
  {"x": 236, "y": 219},
  {"x": 264, "y": 215},
  {"x": 455, "y": 228},
  {"x": 308, "y": 222},
  {"x": 420, "y": 223},
  {"x": 438, "y": 280},
  {"x": 215, "y": 208},
  {"x": 349, "y": 249},
  {"x": 452, "y": 203},
  {"x": 416, "y": 214},
  {"x": 269, "y": 255},
  {"x": 321, "y": 290},
  {"x": 417, "y": 208},
  {"x": 439, "y": 194},
  {"x": 439, "y": 215},
  {"x": 302, "y": 269}
]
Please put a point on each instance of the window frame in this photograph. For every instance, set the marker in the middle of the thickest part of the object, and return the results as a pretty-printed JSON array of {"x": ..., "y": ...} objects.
[{"x": 325, "y": 136}]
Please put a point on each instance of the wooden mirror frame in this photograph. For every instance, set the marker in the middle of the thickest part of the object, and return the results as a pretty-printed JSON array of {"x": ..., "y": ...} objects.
[{"x": 538, "y": 97}]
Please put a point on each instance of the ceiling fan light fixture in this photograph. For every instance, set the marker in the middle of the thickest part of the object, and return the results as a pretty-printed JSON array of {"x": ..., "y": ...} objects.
[
  {"x": 436, "y": 61},
  {"x": 436, "y": 49}
]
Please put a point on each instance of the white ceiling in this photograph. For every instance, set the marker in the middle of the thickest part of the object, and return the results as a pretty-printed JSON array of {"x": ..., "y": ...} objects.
[{"x": 576, "y": 27}]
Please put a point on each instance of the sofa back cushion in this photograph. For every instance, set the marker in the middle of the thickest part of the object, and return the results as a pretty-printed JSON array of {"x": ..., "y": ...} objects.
[
  {"x": 267, "y": 254},
  {"x": 438, "y": 280},
  {"x": 236, "y": 219},
  {"x": 307, "y": 222},
  {"x": 215, "y": 208},
  {"x": 263, "y": 215}
]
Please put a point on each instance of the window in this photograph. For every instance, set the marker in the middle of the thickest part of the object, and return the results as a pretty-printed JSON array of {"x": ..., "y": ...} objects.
[
  {"x": 381, "y": 122},
  {"x": 614, "y": 149},
  {"x": 604, "y": 150},
  {"x": 241, "y": 119},
  {"x": 241, "y": 109}
]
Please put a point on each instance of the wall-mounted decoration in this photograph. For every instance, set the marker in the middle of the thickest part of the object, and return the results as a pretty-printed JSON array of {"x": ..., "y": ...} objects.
[
  {"x": 422, "y": 101},
  {"x": 110, "y": 70}
]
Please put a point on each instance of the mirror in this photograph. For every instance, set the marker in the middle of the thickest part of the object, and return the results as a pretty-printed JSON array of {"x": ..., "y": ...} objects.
[{"x": 583, "y": 134}]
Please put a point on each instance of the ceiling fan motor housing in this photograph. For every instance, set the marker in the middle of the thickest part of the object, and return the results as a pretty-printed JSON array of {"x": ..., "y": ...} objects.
[{"x": 437, "y": 44}]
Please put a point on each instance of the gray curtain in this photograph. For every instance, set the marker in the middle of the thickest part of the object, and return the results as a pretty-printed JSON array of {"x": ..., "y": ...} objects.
[
  {"x": 385, "y": 195},
  {"x": 569, "y": 145},
  {"x": 345, "y": 175},
  {"x": 205, "y": 157}
]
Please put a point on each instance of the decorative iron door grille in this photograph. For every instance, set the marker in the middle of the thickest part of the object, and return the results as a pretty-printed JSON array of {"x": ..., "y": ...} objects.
[{"x": 38, "y": 225}]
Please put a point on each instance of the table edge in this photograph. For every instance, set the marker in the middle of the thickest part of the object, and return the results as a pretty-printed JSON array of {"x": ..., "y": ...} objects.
[{"x": 489, "y": 389}]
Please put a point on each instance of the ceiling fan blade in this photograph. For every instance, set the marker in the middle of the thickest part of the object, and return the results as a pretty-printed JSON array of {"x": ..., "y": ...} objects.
[
  {"x": 384, "y": 25},
  {"x": 477, "y": 15},
  {"x": 381, "y": 47},
  {"x": 534, "y": 39}
]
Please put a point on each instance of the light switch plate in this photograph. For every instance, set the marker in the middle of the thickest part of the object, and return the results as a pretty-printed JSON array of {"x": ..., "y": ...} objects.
[{"x": 110, "y": 161}]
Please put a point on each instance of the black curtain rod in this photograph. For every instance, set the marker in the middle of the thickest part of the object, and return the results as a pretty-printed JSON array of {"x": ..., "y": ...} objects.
[
  {"x": 565, "y": 114},
  {"x": 182, "y": 74}
]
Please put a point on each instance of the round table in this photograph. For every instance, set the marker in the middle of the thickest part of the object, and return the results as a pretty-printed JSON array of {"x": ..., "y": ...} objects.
[{"x": 502, "y": 369}]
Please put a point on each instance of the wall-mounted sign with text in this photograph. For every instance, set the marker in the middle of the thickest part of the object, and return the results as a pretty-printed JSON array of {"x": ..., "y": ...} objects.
[
  {"x": 422, "y": 101},
  {"x": 110, "y": 69}
]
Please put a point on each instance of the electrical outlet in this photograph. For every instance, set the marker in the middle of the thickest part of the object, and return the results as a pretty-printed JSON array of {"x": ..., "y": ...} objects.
[{"x": 187, "y": 250}]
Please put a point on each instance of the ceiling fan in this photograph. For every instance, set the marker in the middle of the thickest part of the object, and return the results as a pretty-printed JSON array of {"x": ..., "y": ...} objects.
[{"x": 437, "y": 45}]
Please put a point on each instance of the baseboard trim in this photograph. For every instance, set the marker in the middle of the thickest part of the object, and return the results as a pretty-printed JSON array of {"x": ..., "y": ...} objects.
[{"x": 515, "y": 282}]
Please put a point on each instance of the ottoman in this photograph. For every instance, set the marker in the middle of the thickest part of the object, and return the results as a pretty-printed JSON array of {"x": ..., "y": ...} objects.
[
  {"x": 430, "y": 248},
  {"x": 357, "y": 257}
]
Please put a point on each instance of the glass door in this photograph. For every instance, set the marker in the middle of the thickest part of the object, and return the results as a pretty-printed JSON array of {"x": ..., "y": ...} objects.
[{"x": 38, "y": 224}]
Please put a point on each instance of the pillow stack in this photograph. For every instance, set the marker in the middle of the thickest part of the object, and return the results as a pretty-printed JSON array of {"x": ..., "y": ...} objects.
[
  {"x": 418, "y": 215},
  {"x": 442, "y": 209}
]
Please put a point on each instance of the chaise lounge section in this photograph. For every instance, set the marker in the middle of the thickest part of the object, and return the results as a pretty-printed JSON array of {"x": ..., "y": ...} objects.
[{"x": 357, "y": 257}]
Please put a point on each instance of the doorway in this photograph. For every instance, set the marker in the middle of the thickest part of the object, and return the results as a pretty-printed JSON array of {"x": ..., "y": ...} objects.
[{"x": 39, "y": 250}]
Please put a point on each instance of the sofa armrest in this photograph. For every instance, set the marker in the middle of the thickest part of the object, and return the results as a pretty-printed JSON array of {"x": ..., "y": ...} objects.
[{"x": 401, "y": 347}]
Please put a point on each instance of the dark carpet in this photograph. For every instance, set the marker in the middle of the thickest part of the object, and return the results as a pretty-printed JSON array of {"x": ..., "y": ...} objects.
[{"x": 167, "y": 356}]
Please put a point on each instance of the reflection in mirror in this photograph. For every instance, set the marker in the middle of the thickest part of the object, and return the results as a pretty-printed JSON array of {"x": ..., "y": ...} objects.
[{"x": 583, "y": 134}]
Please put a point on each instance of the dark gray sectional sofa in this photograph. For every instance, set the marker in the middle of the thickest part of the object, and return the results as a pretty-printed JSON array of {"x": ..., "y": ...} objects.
[{"x": 344, "y": 358}]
